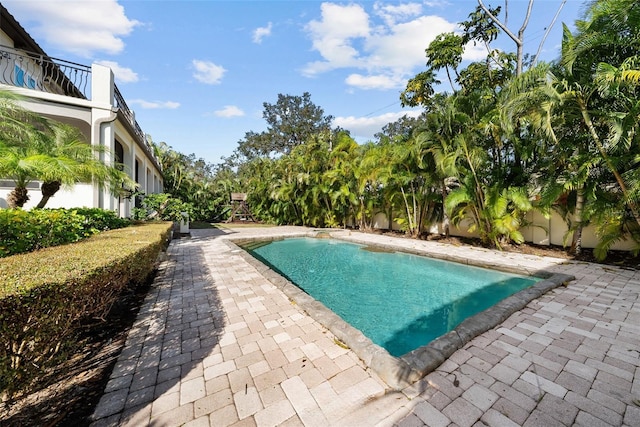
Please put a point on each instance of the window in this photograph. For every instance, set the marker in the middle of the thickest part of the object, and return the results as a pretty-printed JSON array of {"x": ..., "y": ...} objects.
[{"x": 119, "y": 156}]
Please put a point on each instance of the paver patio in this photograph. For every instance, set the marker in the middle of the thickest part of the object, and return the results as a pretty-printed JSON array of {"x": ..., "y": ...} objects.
[{"x": 217, "y": 344}]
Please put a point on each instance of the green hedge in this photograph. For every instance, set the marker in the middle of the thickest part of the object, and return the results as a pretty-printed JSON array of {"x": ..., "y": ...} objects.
[
  {"x": 25, "y": 231},
  {"x": 45, "y": 296}
]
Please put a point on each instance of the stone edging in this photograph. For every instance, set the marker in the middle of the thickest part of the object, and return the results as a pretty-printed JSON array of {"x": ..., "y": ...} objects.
[{"x": 399, "y": 372}]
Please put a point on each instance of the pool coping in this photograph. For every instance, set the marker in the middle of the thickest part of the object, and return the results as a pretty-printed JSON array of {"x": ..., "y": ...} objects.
[{"x": 399, "y": 372}]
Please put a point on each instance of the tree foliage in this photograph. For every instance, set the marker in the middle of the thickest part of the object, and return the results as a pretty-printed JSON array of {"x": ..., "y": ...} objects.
[
  {"x": 291, "y": 121},
  {"x": 198, "y": 187}
]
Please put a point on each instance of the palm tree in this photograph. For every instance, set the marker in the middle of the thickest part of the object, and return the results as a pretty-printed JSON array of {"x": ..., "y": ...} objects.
[
  {"x": 533, "y": 101},
  {"x": 339, "y": 179},
  {"x": 439, "y": 156},
  {"x": 72, "y": 161},
  {"x": 21, "y": 141},
  {"x": 591, "y": 97},
  {"x": 601, "y": 59},
  {"x": 33, "y": 148},
  {"x": 375, "y": 188}
]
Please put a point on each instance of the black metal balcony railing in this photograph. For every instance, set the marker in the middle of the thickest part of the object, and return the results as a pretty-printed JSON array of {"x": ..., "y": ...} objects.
[
  {"x": 39, "y": 72},
  {"x": 124, "y": 108}
]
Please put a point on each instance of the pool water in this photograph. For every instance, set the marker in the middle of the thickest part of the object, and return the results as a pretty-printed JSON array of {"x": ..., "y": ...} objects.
[{"x": 399, "y": 301}]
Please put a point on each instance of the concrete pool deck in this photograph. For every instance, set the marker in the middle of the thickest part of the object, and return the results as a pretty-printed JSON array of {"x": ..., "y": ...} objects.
[{"x": 216, "y": 344}]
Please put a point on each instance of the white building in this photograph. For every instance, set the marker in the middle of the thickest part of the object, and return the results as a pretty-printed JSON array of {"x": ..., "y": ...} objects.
[{"x": 85, "y": 97}]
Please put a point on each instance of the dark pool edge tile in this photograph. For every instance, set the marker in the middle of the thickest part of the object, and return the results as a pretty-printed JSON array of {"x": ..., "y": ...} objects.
[
  {"x": 400, "y": 372},
  {"x": 444, "y": 346}
]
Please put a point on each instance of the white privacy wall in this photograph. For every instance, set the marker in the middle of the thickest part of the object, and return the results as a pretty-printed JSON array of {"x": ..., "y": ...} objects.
[{"x": 540, "y": 231}]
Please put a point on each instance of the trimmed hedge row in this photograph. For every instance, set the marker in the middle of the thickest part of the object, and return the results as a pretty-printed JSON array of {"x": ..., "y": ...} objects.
[
  {"x": 25, "y": 231},
  {"x": 45, "y": 296}
]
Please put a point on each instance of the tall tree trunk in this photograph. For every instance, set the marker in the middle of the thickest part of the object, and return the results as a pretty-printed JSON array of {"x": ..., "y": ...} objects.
[
  {"x": 445, "y": 216},
  {"x": 416, "y": 214},
  {"x": 479, "y": 205},
  {"x": 48, "y": 188},
  {"x": 408, "y": 209},
  {"x": 18, "y": 197},
  {"x": 517, "y": 39},
  {"x": 450, "y": 80},
  {"x": 576, "y": 244}
]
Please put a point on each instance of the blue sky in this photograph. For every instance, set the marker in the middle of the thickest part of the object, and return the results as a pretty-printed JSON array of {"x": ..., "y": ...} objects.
[{"x": 197, "y": 73}]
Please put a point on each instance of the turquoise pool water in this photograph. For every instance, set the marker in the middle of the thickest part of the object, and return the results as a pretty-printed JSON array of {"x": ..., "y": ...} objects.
[{"x": 400, "y": 301}]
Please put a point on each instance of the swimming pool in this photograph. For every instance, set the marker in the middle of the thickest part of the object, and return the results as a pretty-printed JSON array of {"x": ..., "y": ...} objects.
[
  {"x": 398, "y": 372},
  {"x": 398, "y": 300}
]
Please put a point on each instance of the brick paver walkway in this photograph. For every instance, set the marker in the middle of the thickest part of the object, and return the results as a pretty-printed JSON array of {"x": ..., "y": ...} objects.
[{"x": 216, "y": 344}]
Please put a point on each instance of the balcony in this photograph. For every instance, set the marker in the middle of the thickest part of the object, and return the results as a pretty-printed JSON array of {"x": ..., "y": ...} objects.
[
  {"x": 39, "y": 72},
  {"x": 122, "y": 106}
]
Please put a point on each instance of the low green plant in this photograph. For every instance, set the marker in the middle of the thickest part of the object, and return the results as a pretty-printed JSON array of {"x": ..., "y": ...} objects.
[
  {"x": 162, "y": 206},
  {"x": 25, "y": 231},
  {"x": 97, "y": 219}
]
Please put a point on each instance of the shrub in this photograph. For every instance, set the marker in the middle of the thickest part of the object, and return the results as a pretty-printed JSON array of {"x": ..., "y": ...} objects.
[
  {"x": 162, "y": 206},
  {"x": 97, "y": 219},
  {"x": 46, "y": 296},
  {"x": 25, "y": 231}
]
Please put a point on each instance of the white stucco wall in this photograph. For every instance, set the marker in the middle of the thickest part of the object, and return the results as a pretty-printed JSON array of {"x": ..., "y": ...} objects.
[
  {"x": 81, "y": 195},
  {"x": 541, "y": 231}
]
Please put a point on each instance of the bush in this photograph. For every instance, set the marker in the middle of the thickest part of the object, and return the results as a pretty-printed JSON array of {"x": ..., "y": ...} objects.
[
  {"x": 162, "y": 206},
  {"x": 97, "y": 219},
  {"x": 46, "y": 296},
  {"x": 25, "y": 231}
]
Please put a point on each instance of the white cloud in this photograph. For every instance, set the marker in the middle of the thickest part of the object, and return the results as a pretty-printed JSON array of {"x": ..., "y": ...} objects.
[
  {"x": 155, "y": 105},
  {"x": 207, "y": 72},
  {"x": 81, "y": 27},
  {"x": 122, "y": 74},
  {"x": 364, "y": 128},
  {"x": 474, "y": 53},
  {"x": 332, "y": 36},
  {"x": 437, "y": 3},
  {"x": 261, "y": 32},
  {"x": 402, "y": 47},
  {"x": 229, "y": 111},
  {"x": 373, "y": 81},
  {"x": 393, "y": 13},
  {"x": 386, "y": 47}
]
